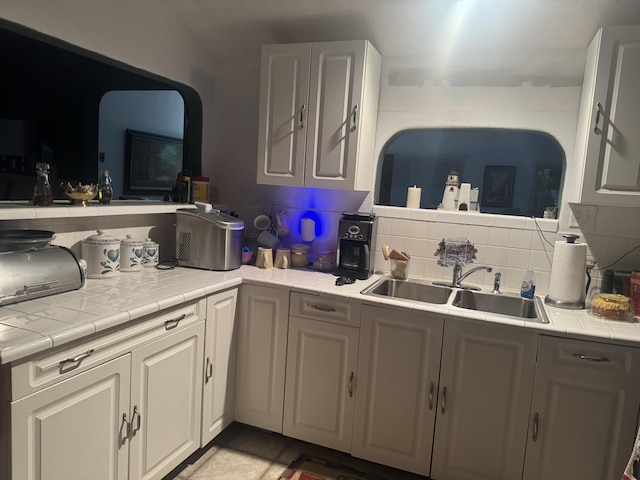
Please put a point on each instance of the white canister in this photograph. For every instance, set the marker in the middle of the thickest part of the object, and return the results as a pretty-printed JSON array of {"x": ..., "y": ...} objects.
[
  {"x": 131, "y": 254},
  {"x": 151, "y": 253},
  {"x": 102, "y": 254}
]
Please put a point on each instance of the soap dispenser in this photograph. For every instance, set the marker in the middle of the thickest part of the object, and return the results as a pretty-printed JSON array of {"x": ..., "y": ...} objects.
[{"x": 528, "y": 286}]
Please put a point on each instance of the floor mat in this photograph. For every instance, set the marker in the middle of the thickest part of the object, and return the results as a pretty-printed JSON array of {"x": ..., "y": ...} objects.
[{"x": 306, "y": 467}]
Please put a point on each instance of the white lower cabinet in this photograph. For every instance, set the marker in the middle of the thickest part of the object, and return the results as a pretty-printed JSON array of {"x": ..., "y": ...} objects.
[
  {"x": 320, "y": 382},
  {"x": 398, "y": 370},
  {"x": 486, "y": 381},
  {"x": 76, "y": 429},
  {"x": 166, "y": 396},
  {"x": 219, "y": 364},
  {"x": 263, "y": 316},
  {"x": 584, "y": 410},
  {"x": 134, "y": 415}
]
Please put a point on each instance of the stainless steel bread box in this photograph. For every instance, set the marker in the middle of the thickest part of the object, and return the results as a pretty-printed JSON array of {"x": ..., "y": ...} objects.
[
  {"x": 208, "y": 239},
  {"x": 38, "y": 272}
]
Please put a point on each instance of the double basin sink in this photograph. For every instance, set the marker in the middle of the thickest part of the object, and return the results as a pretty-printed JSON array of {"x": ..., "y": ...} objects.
[{"x": 521, "y": 308}]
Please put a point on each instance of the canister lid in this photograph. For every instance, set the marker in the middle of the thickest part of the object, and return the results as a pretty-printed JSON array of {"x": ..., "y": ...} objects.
[
  {"x": 299, "y": 248},
  {"x": 101, "y": 238},
  {"x": 130, "y": 241}
]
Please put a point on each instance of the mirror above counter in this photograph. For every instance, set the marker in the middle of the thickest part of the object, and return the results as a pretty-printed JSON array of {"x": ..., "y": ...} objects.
[{"x": 56, "y": 113}]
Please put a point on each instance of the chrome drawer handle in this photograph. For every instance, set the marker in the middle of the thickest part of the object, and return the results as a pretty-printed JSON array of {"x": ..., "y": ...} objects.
[
  {"x": 351, "y": 377},
  {"x": 536, "y": 419},
  {"x": 209, "y": 371},
  {"x": 75, "y": 362},
  {"x": 301, "y": 122},
  {"x": 125, "y": 435},
  {"x": 596, "y": 127},
  {"x": 443, "y": 402},
  {"x": 135, "y": 420},
  {"x": 590, "y": 358},
  {"x": 323, "y": 309},
  {"x": 171, "y": 324}
]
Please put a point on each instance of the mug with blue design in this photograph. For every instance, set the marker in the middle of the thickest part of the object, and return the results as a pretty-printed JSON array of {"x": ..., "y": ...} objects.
[
  {"x": 102, "y": 254},
  {"x": 131, "y": 254},
  {"x": 151, "y": 253}
]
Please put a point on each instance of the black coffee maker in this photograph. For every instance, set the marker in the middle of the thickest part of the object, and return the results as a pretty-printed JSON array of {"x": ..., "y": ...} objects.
[{"x": 356, "y": 232}]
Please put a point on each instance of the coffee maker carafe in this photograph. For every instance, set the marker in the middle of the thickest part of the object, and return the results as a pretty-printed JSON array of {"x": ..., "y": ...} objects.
[{"x": 356, "y": 232}]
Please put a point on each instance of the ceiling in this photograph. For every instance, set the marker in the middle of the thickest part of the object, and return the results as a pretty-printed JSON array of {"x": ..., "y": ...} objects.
[{"x": 463, "y": 41}]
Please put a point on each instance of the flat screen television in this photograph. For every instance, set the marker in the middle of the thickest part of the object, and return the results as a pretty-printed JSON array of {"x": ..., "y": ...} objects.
[{"x": 152, "y": 163}]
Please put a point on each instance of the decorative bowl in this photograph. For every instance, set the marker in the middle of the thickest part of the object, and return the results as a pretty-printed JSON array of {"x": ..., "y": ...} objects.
[{"x": 80, "y": 198}]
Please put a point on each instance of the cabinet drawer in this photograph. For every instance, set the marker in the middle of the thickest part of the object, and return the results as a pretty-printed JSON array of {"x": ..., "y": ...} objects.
[
  {"x": 58, "y": 364},
  {"x": 328, "y": 308},
  {"x": 584, "y": 355}
]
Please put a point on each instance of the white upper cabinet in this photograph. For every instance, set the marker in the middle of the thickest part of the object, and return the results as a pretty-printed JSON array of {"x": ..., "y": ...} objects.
[
  {"x": 607, "y": 143},
  {"x": 318, "y": 113}
]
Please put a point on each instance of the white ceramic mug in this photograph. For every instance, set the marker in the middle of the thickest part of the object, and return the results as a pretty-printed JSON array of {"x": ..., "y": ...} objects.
[
  {"x": 264, "y": 258},
  {"x": 283, "y": 258},
  {"x": 282, "y": 223}
]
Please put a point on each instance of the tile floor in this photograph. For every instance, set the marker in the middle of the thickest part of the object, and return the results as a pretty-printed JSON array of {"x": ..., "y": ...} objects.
[{"x": 247, "y": 453}]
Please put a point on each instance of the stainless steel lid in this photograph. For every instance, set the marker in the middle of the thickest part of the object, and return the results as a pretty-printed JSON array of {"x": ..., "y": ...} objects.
[
  {"x": 36, "y": 273},
  {"x": 216, "y": 217},
  {"x": 20, "y": 240}
]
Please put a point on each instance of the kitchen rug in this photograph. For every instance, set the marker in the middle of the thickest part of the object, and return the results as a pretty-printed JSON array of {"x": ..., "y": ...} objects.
[{"x": 306, "y": 467}]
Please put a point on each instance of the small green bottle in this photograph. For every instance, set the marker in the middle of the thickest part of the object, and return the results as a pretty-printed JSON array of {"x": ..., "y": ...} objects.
[{"x": 105, "y": 191}]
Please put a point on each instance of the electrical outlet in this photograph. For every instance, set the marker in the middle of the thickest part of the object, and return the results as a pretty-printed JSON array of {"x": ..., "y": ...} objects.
[{"x": 585, "y": 215}]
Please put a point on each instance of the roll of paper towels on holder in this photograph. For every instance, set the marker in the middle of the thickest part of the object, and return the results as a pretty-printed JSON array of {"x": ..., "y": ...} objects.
[
  {"x": 568, "y": 273},
  {"x": 413, "y": 197},
  {"x": 308, "y": 230}
]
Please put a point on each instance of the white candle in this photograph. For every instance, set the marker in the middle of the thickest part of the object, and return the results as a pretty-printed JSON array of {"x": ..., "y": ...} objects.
[
  {"x": 413, "y": 197},
  {"x": 308, "y": 229}
]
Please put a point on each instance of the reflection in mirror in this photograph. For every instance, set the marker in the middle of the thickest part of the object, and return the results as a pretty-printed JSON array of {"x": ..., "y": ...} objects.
[
  {"x": 51, "y": 110},
  {"x": 154, "y": 115},
  {"x": 515, "y": 172}
]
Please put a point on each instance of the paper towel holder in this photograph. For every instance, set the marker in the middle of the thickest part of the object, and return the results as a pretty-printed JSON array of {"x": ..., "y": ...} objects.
[{"x": 571, "y": 238}]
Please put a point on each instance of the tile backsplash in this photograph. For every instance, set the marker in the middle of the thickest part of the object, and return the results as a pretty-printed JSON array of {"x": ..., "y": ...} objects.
[{"x": 511, "y": 245}]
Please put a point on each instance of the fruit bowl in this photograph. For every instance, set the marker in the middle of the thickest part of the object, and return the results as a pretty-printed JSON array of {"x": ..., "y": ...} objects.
[{"x": 80, "y": 198}]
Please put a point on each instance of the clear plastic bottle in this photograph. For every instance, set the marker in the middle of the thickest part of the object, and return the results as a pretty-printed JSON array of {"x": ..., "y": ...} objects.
[
  {"x": 105, "y": 191},
  {"x": 528, "y": 286},
  {"x": 42, "y": 193}
]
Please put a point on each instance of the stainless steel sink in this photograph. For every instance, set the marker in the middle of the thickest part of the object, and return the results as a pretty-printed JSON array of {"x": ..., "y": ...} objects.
[
  {"x": 523, "y": 308},
  {"x": 409, "y": 290}
]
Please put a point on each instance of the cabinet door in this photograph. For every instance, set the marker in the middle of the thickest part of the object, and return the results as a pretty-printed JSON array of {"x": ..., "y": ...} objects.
[
  {"x": 320, "y": 383},
  {"x": 284, "y": 90},
  {"x": 166, "y": 399},
  {"x": 612, "y": 107},
  {"x": 76, "y": 429},
  {"x": 336, "y": 85},
  {"x": 263, "y": 316},
  {"x": 486, "y": 381},
  {"x": 398, "y": 369},
  {"x": 584, "y": 410},
  {"x": 219, "y": 364}
]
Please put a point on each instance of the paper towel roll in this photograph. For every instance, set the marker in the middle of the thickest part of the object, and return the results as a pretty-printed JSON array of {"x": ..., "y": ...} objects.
[
  {"x": 308, "y": 230},
  {"x": 413, "y": 197},
  {"x": 568, "y": 272}
]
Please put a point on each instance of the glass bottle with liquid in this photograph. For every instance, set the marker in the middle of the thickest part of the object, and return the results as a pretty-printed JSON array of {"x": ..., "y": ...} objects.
[
  {"x": 105, "y": 191},
  {"x": 42, "y": 193}
]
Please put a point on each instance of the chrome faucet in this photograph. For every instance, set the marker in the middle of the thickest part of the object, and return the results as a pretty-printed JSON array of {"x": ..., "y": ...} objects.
[{"x": 458, "y": 276}]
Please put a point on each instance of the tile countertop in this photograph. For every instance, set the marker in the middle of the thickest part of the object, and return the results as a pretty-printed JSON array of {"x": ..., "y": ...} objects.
[{"x": 36, "y": 325}]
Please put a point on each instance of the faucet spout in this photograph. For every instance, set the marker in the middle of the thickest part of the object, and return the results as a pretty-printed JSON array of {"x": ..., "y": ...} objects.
[{"x": 458, "y": 276}]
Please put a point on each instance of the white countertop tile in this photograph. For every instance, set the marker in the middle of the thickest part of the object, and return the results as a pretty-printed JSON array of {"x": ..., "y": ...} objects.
[{"x": 36, "y": 325}]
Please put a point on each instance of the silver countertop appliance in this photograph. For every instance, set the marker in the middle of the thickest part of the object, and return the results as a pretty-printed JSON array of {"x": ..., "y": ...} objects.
[
  {"x": 207, "y": 238},
  {"x": 38, "y": 272}
]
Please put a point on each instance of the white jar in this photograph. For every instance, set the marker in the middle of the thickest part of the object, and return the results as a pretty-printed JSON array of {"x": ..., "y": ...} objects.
[
  {"x": 132, "y": 254},
  {"x": 151, "y": 253},
  {"x": 102, "y": 254}
]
